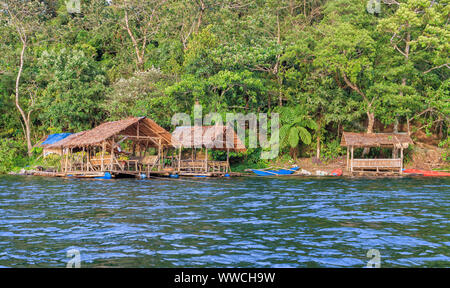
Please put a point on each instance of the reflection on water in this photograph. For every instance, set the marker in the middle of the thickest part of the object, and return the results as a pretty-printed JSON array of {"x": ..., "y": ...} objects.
[{"x": 239, "y": 222}]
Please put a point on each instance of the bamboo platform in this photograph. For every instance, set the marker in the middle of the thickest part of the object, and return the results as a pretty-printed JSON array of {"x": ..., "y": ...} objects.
[
  {"x": 376, "y": 173},
  {"x": 48, "y": 174},
  {"x": 131, "y": 174}
]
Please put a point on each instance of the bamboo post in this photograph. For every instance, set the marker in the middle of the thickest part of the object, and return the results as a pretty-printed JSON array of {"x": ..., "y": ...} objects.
[
  {"x": 164, "y": 156},
  {"x": 193, "y": 157},
  {"x": 112, "y": 155},
  {"x": 88, "y": 159},
  {"x": 228, "y": 160},
  {"x": 159, "y": 153},
  {"x": 206, "y": 160},
  {"x": 348, "y": 155},
  {"x": 62, "y": 160},
  {"x": 351, "y": 161},
  {"x": 67, "y": 160},
  {"x": 82, "y": 160},
  {"x": 70, "y": 160},
  {"x": 146, "y": 148},
  {"x": 179, "y": 159},
  {"x": 103, "y": 154},
  {"x": 401, "y": 157}
]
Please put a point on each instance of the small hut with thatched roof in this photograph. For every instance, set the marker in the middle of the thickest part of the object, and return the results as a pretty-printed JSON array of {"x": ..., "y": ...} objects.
[
  {"x": 396, "y": 141},
  {"x": 104, "y": 148},
  {"x": 48, "y": 140},
  {"x": 205, "y": 138}
]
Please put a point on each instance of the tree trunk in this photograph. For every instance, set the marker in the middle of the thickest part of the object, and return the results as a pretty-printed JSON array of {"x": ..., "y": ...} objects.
[
  {"x": 396, "y": 125},
  {"x": 25, "y": 119},
  {"x": 200, "y": 16},
  {"x": 28, "y": 133},
  {"x": 277, "y": 65},
  {"x": 371, "y": 118},
  {"x": 407, "y": 124},
  {"x": 406, "y": 54},
  {"x": 294, "y": 153},
  {"x": 304, "y": 8}
]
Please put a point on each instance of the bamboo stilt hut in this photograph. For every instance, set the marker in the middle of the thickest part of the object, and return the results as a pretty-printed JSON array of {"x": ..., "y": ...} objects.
[
  {"x": 134, "y": 131},
  {"x": 205, "y": 138},
  {"x": 395, "y": 141}
]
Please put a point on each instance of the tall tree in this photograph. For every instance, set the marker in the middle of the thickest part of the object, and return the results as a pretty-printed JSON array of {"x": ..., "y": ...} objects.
[
  {"x": 347, "y": 52},
  {"x": 74, "y": 90},
  {"x": 26, "y": 18},
  {"x": 416, "y": 25},
  {"x": 142, "y": 21}
]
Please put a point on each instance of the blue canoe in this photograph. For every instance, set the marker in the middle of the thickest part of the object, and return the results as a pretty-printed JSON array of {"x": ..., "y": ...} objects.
[{"x": 275, "y": 172}]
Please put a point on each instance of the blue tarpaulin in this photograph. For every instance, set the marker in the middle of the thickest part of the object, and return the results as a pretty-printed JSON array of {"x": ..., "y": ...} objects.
[{"x": 53, "y": 138}]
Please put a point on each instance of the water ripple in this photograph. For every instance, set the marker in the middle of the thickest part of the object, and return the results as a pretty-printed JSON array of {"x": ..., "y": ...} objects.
[{"x": 249, "y": 222}]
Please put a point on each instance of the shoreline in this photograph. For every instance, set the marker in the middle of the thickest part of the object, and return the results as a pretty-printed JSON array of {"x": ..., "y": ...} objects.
[{"x": 345, "y": 175}]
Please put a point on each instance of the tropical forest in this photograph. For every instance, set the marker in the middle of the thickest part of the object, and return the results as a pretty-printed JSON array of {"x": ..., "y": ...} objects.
[{"x": 325, "y": 66}]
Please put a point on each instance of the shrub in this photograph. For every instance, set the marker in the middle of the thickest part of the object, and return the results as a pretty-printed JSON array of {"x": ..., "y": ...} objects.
[
  {"x": 332, "y": 150},
  {"x": 446, "y": 145},
  {"x": 11, "y": 152}
]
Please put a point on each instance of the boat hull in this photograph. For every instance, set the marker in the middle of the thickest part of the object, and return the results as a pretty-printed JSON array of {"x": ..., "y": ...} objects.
[
  {"x": 426, "y": 173},
  {"x": 279, "y": 172}
]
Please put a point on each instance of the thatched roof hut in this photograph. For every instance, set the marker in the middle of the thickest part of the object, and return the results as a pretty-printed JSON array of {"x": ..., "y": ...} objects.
[
  {"x": 52, "y": 139},
  {"x": 133, "y": 128},
  {"x": 47, "y": 142},
  {"x": 60, "y": 144},
  {"x": 397, "y": 140},
  {"x": 211, "y": 137}
]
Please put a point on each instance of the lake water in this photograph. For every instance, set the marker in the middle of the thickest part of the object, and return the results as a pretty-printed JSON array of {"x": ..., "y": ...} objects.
[{"x": 237, "y": 222}]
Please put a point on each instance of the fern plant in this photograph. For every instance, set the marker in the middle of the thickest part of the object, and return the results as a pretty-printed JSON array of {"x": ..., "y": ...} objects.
[{"x": 295, "y": 127}]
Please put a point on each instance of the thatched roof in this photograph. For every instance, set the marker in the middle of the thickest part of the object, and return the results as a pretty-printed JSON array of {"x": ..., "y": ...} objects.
[
  {"x": 148, "y": 131},
  {"x": 211, "y": 137},
  {"x": 376, "y": 139}
]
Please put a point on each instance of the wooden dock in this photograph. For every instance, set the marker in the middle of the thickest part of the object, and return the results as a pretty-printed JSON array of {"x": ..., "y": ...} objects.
[{"x": 130, "y": 174}]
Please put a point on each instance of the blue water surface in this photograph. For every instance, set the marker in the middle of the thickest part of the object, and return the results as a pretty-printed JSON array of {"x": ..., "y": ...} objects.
[{"x": 231, "y": 222}]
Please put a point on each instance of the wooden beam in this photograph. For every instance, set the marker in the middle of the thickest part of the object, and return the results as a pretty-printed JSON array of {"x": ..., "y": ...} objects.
[{"x": 121, "y": 140}]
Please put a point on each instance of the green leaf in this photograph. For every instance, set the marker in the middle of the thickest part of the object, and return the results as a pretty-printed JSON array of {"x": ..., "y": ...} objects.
[
  {"x": 293, "y": 137},
  {"x": 304, "y": 135}
]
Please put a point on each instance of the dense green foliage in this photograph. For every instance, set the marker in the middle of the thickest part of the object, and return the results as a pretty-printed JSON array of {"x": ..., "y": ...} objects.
[
  {"x": 327, "y": 66},
  {"x": 10, "y": 152}
]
